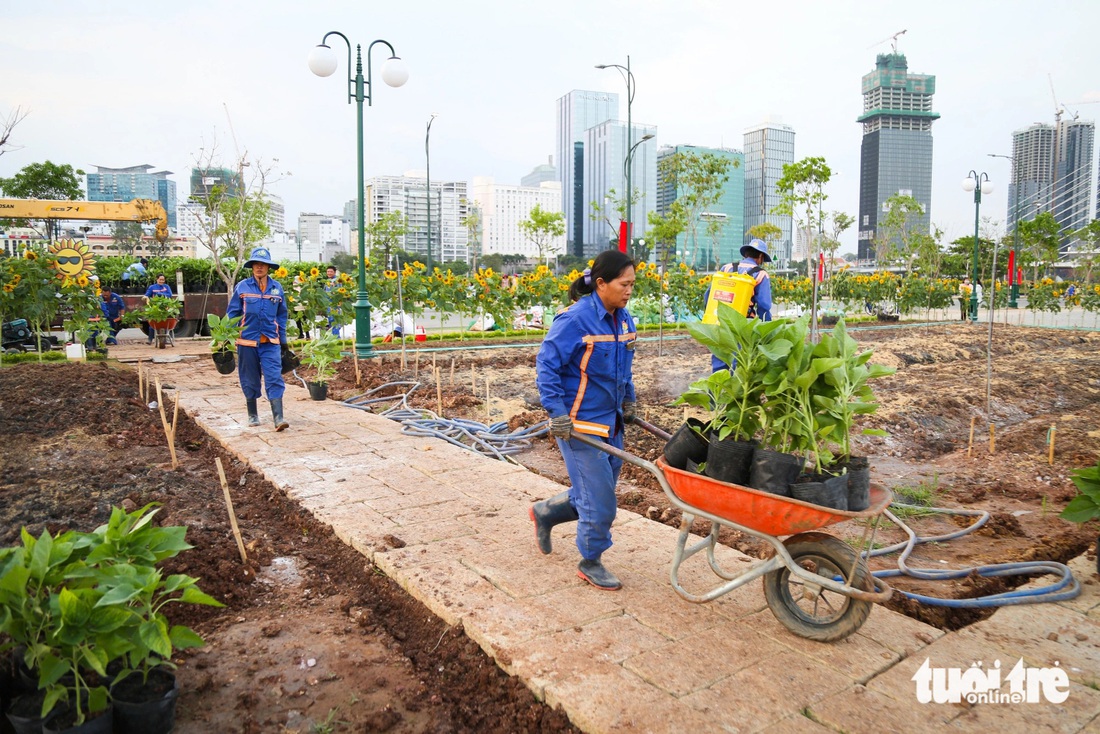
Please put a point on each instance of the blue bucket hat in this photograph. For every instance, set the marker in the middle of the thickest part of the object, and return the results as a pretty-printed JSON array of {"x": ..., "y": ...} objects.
[
  {"x": 260, "y": 255},
  {"x": 755, "y": 246}
]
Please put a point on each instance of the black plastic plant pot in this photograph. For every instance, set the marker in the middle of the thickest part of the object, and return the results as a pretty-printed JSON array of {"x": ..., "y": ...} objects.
[
  {"x": 687, "y": 444},
  {"x": 729, "y": 460},
  {"x": 824, "y": 490},
  {"x": 774, "y": 471},
  {"x": 859, "y": 483},
  {"x": 225, "y": 362},
  {"x": 318, "y": 390},
  {"x": 62, "y": 722},
  {"x": 146, "y": 708}
]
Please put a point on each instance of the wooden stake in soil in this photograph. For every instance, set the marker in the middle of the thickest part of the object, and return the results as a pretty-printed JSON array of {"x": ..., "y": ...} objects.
[
  {"x": 438, "y": 393},
  {"x": 970, "y": 446},
  {"x": 141, "y": 383},
  {"x": 452, "y": 370},
  {"x": 488, "y": 410},
  {"x": 473, "y": 381},
  {"x": 992, "y": 439},
  {"x": 355, "y": 358},
  {"x": 416, "y": 365},
  {"x": 232, "y": 515},
  {"x": 1050, "y": 454},
  {"x": 169, "y": 430}
]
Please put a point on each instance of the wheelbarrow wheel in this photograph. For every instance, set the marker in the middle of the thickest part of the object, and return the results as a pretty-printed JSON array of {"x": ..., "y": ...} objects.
[{"x": 815, "y": 612}]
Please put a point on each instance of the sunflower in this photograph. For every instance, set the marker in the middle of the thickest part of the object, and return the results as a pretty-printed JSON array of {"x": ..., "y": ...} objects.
[
  {"x": 82, "y": 280},
  {"x": 30, "y": 255},
  {"x": 9, "y": 287},
  {"x": 281, "y": 272},
  {"x": 15, "y": 278},
  {"x": 390, "y": 274},
  {"x": 342, "y": 291},
  {"x": 314, "y": 272}
]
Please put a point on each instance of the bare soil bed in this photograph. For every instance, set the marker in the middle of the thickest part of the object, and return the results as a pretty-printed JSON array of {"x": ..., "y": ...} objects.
[
  {"x": 312, "y": 638},
  {"x": 315, "y": 639}
]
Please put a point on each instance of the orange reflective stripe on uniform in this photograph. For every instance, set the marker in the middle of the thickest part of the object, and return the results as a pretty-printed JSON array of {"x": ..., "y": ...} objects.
[
  {"x": 592, "y": 429},
  {"x": 246, "y": 342},
  {"x": 584, "y": 380}
]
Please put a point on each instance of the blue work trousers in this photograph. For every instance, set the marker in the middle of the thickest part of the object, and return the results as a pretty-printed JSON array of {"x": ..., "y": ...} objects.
[
  {"x": 593, "y": 474},
  {"x": 266, "y": 359}
]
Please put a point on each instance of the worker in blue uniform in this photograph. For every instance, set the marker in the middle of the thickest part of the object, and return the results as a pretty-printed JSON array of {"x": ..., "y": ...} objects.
[
  {"x": 113, "y": 308},
  {"x": 753, "y": 257},
  {"x": 585, "y": 382},
  {"x": 260, "y": 302}
]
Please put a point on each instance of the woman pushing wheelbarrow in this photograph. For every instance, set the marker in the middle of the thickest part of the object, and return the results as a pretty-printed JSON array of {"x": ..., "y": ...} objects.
[{"x": 586, "y": 384}]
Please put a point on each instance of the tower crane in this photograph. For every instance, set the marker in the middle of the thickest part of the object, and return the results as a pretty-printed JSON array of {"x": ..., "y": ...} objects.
[{"x": 892, "y": 39}]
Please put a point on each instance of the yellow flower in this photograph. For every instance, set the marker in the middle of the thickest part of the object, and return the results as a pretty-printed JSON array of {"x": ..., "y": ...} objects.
[
  {"x": 691, "y": 272},
  {"x": 683, "y": 266},
  {"x": 342, "y": 291},
  {"x": 30, "y": 255},
  {"x": 281, "y": 272},
  {"x": 15, "y": 278},
  {"x": 82, "y": 281},
  {"x": 390, "y": 274},
  {"x": 9, "y": 287}
]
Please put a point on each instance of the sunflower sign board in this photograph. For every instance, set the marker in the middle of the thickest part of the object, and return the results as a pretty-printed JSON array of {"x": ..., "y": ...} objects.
[{"x": 73, "y": 259}]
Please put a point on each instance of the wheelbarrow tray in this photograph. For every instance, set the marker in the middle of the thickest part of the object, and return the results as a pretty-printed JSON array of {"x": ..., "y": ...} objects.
[{"x": 761, "y": 511}]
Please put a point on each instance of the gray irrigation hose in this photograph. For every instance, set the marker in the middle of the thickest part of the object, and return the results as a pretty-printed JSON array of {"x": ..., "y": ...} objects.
[
  {"x": 1057, "y": 591},
  {"x": 488, "y": 440}
]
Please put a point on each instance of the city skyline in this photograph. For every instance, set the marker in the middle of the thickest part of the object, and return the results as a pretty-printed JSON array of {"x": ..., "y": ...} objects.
[{"x": 110, "y": 89}]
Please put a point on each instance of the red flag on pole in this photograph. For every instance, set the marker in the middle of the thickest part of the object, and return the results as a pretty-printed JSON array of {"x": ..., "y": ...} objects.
[
  {"x": 820, "y": 266},
  {"x": 622, "y": 236},
  {"x": 1011, "y": 266}
]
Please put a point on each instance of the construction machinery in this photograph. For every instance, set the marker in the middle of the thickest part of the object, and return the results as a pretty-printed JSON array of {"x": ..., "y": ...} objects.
[{"x": 138, "y": 210}]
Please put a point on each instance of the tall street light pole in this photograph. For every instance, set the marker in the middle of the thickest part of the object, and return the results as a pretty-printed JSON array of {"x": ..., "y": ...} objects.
[
  {"x": 1014, "y": 286},
  {"x": 629, "y": 78},
  {"x": 626, "y": 172},
  {"x": 428, "y": 163},
  {"x": 979, "y": 183},
  {"x": 322, "y": 62}
]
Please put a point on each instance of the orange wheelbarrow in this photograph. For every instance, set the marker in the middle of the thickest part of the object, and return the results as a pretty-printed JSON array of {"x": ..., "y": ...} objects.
[{"x": 816, "y": 585}]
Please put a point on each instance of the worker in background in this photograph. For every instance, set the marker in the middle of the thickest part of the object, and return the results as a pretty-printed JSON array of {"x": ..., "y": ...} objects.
[
  {"x": 964, "y": 299},
  {"x": 134, "y": 272},
  {"x": 753, "y": 257},
  {"x": 260, "y": 303},
  {"x": 330, "y": 287},
  {"x": 159, "y": 288},
  {"x": 113, "y": 308},
  {"x": 585, "y": 382}
]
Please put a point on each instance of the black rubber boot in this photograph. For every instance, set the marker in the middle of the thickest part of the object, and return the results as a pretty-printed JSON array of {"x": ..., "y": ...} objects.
[
  {"x": 548, "y": 513},
  {"x": 594, "y": 573},
  {"x": 277, "y": 413},
  {"x": 253, "y": 415}
]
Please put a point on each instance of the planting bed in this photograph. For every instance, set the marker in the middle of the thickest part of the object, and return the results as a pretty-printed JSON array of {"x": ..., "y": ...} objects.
[{"x": 313, "y": 637}]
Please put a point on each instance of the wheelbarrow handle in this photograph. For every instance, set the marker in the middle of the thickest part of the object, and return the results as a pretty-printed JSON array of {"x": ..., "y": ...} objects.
[
  {"x": 619, "y": 453},
  {"x": 661, "y": 434}
]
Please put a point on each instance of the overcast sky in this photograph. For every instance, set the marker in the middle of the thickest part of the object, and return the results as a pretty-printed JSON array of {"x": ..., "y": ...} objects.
[{"x": 119, "y": 84}]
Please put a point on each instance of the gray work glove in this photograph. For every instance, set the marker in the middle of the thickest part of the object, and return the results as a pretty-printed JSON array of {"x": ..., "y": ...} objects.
[
  {"x": 561, "y": 427},
  {"x": 630, "y": 411}
]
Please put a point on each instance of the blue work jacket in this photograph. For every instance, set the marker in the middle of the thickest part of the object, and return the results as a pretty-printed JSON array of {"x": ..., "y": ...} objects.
[
  {"x": 112, "y": 307},
  {"x": 585, "y": 366},
  {"x": 263, "y": 313},
  {"x": 158, "y": 289}
]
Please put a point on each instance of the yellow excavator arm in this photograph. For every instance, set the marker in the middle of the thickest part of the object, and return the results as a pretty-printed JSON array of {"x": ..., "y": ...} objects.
[{"x": 138, "y": 210}]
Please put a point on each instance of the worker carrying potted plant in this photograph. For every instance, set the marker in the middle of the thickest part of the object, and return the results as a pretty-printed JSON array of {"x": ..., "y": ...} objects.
[
  {"x": 260, "y": 304},
  {"x": 224, "y": 332},
  {"x": 321, "y": 354}
]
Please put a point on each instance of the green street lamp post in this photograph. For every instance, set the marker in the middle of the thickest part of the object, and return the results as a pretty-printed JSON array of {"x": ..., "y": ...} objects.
[
  {"x": 322, "y": 62},
  {"x": 980, "y": 184},
  {"x": 428, "y": 179},
  {"x": 630, "y": 87},
  {"x": 626, "y": 172}
]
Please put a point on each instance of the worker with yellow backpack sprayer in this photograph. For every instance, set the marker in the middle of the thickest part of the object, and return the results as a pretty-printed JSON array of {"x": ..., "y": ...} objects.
[{"x": 745, "y": 286}]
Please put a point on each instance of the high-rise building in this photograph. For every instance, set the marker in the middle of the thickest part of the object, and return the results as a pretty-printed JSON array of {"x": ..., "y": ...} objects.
[
  {"x": 322, "y": 236},
  {"x": 1032, "y": 168},
  {"x": 896, "y": 154},
  {"x": 134, "y": 182},
  {"x": 697, "y": 247},
  {"x": 576, "y": 113},
  {"x": 541, "y": 173},
  {"x": 768, "y": 147},
  {"x": 605, "y": 170},
  {"x": 1073, "y": 176},
  {"x": 205, "y": 179},
  {"x": 408, "y": 194},
  {"x": 504, "y": 206}
]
